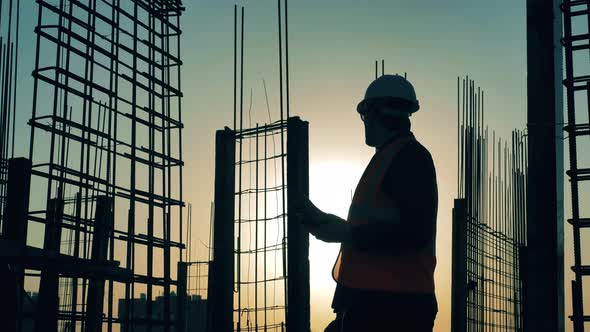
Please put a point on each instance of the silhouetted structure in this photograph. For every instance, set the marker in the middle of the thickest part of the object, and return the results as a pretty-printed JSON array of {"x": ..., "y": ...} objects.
[
  {"x": 576, "y": 45},
  {"x": 270, "y": 246},
  {"x": 9, "y": 58},
  {"x": 543, "y": 257},
  {"x": 11, "y": 276},
  {"x": 259, "y": 274},
  {"x": 196, "y": 312},
  {"x": 489, "y": 222},
  {"x": 104, "y": 168}
]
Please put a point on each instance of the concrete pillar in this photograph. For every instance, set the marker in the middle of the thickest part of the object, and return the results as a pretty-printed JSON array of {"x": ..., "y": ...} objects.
[
  {"x": 103, "y": 228},
  {"x": 298, "y": 314},
  {"x": 459, "y": 269},
  {"x": 181, "y": 297},
  {"x": 15, "y": 230},
  {"x": 543, "y": 286},
  {"x": 48, "y": 301},
  {"x": 221, "y": 281}
]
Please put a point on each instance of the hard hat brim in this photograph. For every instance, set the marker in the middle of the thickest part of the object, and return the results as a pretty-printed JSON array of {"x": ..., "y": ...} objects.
[{"x": 408, "y": 106}]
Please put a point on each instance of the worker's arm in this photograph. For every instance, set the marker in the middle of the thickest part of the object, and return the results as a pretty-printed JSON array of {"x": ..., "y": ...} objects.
[
  {"x": 411, "y": 181},
  {"x": 324, "y": 226}
]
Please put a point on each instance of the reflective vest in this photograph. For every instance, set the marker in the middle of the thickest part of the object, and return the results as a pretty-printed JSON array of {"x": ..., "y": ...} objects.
[{"x": 410, "y": 272}]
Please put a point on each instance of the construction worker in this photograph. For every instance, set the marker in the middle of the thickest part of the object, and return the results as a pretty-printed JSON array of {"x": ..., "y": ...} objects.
[{"x": 385, "y": 268}]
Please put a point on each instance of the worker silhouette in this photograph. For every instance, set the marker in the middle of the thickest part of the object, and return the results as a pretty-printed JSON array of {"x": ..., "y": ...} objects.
[{"x": 385, "y": 268}]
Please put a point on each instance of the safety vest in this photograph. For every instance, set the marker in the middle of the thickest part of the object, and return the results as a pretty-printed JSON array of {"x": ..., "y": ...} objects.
[{"x": 404, "y": 273}]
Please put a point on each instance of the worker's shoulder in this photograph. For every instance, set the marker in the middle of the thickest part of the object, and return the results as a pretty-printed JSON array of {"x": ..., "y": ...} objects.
[
  {"x": 413, "y": 167},
  {"x": 414, "y": 150}
]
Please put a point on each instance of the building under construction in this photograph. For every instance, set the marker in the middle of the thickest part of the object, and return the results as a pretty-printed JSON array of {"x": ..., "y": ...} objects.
[
  {"x": 259, "y": 273},
  {"x": 95, "y": 235},
  {"x": 489, "y": 221},
  {"x": 102, "y": 184}
]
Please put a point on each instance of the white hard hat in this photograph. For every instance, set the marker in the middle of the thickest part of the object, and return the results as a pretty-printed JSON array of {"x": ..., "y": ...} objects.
[{"x": 394, "y": 88}]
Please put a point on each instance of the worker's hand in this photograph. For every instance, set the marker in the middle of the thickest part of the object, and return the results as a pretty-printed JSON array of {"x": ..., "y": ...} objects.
[
  {"x": 325, "y": 227},
  {"x": 306, "y": 211},
  {"x": 329, "y": 228}
]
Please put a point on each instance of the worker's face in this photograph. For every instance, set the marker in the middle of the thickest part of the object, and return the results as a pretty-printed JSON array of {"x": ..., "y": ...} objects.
[{"x": 376, "y": 134}]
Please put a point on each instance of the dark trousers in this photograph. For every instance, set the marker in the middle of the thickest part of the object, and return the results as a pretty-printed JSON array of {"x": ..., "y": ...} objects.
[{"x": 365, "y": 320}]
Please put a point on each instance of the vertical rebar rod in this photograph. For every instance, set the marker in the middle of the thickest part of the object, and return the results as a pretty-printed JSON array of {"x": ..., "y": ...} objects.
[
  {"x": 130, "y": 287},
  {"x": 113, "y": 103},
  {"x": 239, "y": 268},
  {"x": 35, "y": 83},
  {"x": 256, "y": 247},
  {"x": 265, "y": 230},
  {"x": 150, "y": 175},
  {"x": 376, "y": 70},
  {"x": 284, "y": 221},
  {"x": 458, "y": 137},
  {"x": 15, "y": 77},
  {"x": 287, "y": 58},
  {"x": 235, "y": 60}
]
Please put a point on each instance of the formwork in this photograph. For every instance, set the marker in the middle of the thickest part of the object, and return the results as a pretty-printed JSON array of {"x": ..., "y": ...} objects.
[{"x": 106, "y": 167}]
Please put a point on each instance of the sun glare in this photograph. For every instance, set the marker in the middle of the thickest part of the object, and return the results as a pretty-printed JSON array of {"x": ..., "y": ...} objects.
[{"x": 331, "y": 188}]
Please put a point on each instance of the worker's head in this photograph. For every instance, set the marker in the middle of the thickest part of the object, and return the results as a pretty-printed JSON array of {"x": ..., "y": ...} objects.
[{"x": 386, "y": 109}]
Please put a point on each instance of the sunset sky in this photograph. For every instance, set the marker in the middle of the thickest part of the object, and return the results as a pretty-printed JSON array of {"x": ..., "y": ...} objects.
[{"x": 333, "y": 45}]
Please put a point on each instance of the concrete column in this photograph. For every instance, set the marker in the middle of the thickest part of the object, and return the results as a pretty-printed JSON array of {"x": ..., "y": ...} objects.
[
  {"x": 48, "y": 301},
  {"x": 221, "y": 281},
  {"x": 15, "y": 230},
  {"x": 459, "y": 269},
  {"x": 103, "y": 228},
  {"x": 181, "y": 297},
  {"x": 543, "y": 286},
  {"x": 298, "y": 314}
]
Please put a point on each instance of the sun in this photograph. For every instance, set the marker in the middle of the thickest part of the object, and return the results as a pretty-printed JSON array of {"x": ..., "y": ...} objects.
[{"x": 331, "y": 187}]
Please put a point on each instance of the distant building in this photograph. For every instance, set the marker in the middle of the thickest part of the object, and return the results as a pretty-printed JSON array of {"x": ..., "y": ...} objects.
[{"x": 196, "y": 314}]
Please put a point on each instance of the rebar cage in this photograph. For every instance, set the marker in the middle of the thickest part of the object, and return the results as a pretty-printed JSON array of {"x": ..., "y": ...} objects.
[
  {"x": 576, "y": 45},
  {"x": 106, "y": 149},
  {"x": 256, "y": 245},
  {"x": 261, "y": 269},
  {"x": 489, "y": 221}
]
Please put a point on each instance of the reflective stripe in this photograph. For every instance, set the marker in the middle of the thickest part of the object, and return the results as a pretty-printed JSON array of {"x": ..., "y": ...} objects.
[{"x": 382, "y": 215}]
